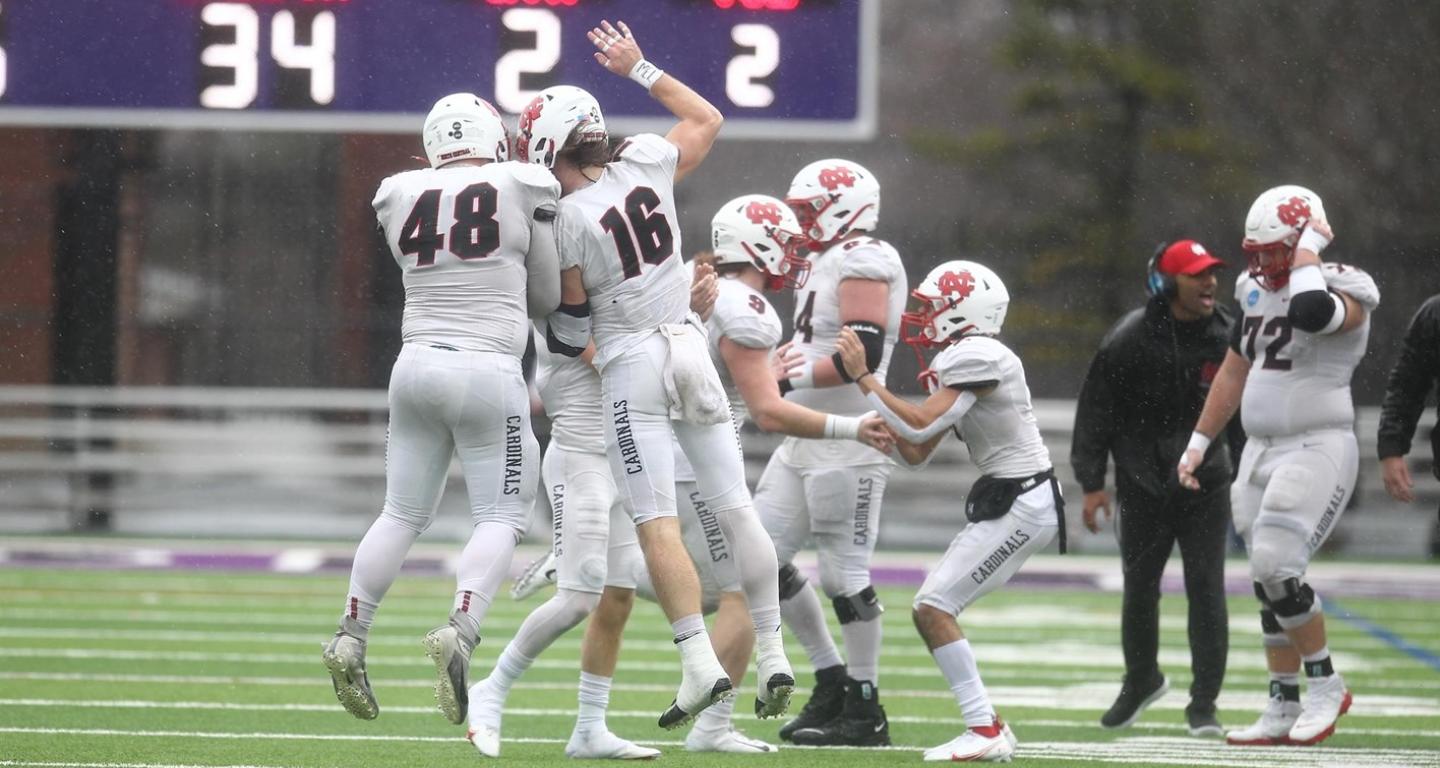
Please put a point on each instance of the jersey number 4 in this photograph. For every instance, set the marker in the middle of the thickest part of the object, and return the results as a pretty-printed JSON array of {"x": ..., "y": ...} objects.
[
  {"x": 476, "y": 233},
  {"x": 642, "y": 224},
  {"x": 1279, "y": 327}
]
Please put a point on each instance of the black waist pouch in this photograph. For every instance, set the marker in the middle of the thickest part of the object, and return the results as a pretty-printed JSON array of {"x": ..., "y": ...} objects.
[{"x": 992, "y": 497}]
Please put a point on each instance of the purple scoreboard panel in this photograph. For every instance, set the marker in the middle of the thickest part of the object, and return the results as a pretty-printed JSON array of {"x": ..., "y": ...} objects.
[{"x": 797, "y": 69}]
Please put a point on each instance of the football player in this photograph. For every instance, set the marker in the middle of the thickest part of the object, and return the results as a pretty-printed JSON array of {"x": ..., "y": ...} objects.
[
  {"x": 756, "y": 246},
  {"x": 470, "y": 233},
  {"x": 830, "y": 490},
  {"x": 593, "y": 556},
  {"x": 618, "y": 239},
  {"x": 1305, "y": 327},
  {"x": 978, "y": 392}
]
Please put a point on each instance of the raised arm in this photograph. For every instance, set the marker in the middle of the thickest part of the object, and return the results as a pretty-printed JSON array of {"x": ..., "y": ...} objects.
[{"x": 699, "y": 122}]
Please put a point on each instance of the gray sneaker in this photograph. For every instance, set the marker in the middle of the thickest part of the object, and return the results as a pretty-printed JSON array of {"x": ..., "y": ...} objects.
[
  {"x": 344, "y": 656},
  {"x": 451, "y": 654}
]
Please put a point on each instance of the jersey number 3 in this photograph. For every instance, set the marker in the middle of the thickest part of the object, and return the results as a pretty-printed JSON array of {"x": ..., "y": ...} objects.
[
  {"x": 642, "y": 224},
  {"x": 476, "y": 233}
]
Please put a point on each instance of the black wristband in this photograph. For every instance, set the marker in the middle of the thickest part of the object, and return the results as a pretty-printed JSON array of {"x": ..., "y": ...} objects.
[
  {"x": 840, "y": 368},
  {"x": 785, "y": 386}
]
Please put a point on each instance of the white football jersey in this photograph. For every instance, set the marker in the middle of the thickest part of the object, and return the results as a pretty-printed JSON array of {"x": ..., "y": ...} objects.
[
  {"x": 570, "y": 389},
  {"x": 623, "y": 234},
  {"x": 818, "y": 321},
  {"x": 744, "y": 316},
  {"x": 1299, "y": 381},
  {"x": 999, "y": 429},
  {"x": 461, "y": 235}
]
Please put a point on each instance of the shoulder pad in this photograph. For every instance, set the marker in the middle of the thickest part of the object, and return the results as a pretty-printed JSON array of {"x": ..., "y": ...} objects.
[
  {"x": 533, "y": 175},
  {"x": 870, "y": 259},
  {"x": 971, "y": 360},
  {"x": 747, "y": 319},
  {"x": 647, "y": 148}
]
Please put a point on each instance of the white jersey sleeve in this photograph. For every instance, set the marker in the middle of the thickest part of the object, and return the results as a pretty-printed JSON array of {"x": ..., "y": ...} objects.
[
  {"x": 460, "y": 235},
  {"x": 1000, "y": 428},
  {"x": 867, "y": 260},
  {"x": 744, "y": 316},
  {"x": 650, "y": 149},
  {"x": 1353, "y": 282}
]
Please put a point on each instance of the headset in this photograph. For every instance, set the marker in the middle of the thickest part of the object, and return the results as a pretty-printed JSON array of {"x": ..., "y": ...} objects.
[{"x": 1157, "y": 282}]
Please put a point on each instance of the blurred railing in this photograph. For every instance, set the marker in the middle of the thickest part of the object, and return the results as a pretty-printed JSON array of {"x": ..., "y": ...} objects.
[{"x": 310, "y": 463}]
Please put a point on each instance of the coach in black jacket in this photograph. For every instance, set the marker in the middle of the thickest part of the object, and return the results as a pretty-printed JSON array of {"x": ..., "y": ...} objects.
[
  {"x": 1140, "y": 401},
  {"x": 1414, "y": 375}
]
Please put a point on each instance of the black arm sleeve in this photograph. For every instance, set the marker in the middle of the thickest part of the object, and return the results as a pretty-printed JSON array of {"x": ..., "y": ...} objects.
[
  {"x": 1414, "y": 374},
  {"x": 872, "y": 337},
  {"x": 1094, "y": 426},
  {"x": 1311, "y": 311}
]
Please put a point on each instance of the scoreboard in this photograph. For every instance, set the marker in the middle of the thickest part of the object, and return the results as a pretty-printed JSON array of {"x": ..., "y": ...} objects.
[{"x": 799, "y": 69}]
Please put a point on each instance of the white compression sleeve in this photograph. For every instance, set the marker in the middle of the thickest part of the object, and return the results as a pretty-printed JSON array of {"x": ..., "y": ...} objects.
[{"x": 913, "y": 435}]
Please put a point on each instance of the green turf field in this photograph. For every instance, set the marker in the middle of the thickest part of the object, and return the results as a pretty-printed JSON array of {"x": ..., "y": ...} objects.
[{"x": 186, "y": 669}]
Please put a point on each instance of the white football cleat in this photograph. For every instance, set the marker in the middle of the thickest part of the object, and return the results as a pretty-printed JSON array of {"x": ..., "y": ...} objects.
[
  {"x": 485, "y": 739},
  {"x": 775, "y": 680},
  {"x": 730, "y": 741},
  {"x": 451, "y": 654},
  {"x": 539, "y": 574},
  {"x": 703, "y": 682},
  {"x": 604, "y": 745},
  {"x": 344, "y": 657},
  {"x": 989, "y": 744},
  {"x": 1273, "y": 727},
  {"x": 1325, "y": 702}
]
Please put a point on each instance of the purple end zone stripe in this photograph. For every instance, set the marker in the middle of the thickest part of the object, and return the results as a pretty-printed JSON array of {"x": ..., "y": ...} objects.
[{"x": 221, "y": 561}]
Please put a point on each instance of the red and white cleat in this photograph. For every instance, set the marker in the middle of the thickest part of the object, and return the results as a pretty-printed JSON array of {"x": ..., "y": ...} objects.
[
  {"x": 1324, "y": 704},
  {"x": 986, "y": 744}
]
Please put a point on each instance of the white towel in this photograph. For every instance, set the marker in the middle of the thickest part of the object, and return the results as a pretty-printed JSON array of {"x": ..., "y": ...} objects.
[{"x": 693, "y": 391}]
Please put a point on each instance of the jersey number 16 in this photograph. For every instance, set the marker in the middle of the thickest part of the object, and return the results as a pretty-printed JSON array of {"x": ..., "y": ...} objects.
[{"x": 642, "y": 224}]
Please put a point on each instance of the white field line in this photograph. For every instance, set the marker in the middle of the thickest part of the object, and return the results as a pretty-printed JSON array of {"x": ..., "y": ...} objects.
[
  {"x": 1038, "y": 655},
  {"x": 1145, "y": 749},
  {"x": 1260, "y": 681},
  {"x": 660, "y": 644},
  {"x": 621, "y": 714},
  {"x": 47, "y": 764}
]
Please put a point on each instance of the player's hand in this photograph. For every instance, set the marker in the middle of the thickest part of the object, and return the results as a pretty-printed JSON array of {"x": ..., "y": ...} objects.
[
  {"x": 1096, "y": 501},
  {"x": 852, "y": 353},
  {"x": 1189, "y": 462},
  {"x": 786, "y": 362},
  {"x": 617, "y": 49},
  {"x": 704, "y": 290},
  {"x": 875, "y": 434},
  {"x": 1313, "y": 239},
  {"x": 1397, "y": 478}
]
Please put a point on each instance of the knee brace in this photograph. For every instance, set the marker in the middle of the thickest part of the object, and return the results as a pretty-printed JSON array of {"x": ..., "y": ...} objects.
[
  {"x": 1292, "y": 602},
  {"x": 1273, "y": 633},
  {"x": 791, "y": 581},
  {"x": 862, "y": 606}
]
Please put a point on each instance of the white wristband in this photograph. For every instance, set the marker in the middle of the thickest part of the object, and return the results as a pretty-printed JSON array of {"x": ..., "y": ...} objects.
[
  {"x": 1198, "y": 442},
  {"x": 841, "y": 427},
  {"x": 646, "y": 73},
  {"x": 1306, "y": 278},
  {"x": 1312, "y": 240}
]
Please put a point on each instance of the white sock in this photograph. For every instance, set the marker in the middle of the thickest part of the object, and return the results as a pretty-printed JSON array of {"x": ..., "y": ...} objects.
[
  {"x": 957, "y": 663},
  {"x": 862, "y": 648},
  {"x": 377, "y": 563},
  {"x": 483, "y": 564},
  {"x": 716, "y": 717},
  {"x": 594, "y": 700},
  {"x": 687, "y": 626},
  {"x": 766, "y": 621},
  {"x": 508, "y": 668},
  {"x": 806, "y": 620}
]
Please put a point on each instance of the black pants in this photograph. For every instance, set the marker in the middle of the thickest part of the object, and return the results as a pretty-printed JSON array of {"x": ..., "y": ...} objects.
[{"x": 1149, "y": 529}]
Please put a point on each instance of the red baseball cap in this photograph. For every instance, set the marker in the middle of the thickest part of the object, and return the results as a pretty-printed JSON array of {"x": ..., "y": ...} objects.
[{"x": 1186, "y": 257}]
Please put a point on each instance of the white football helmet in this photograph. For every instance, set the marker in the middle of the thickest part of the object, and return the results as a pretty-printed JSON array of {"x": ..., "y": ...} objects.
[
  {"x": 759, "y": 231},
  {"x": 1275, "y": 222},
  {"x": 463, "y": 126},
  {"x": 558, "y": 115},
  {"x": 957, "y": 298},
  {"x": 832, "y": 198}
]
